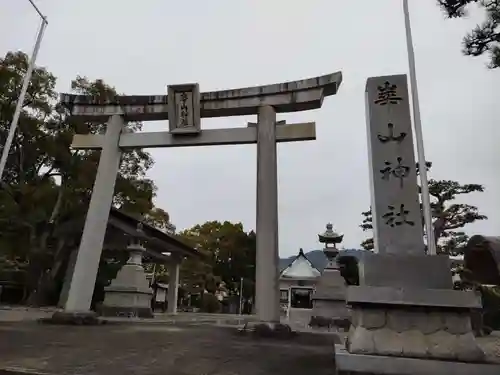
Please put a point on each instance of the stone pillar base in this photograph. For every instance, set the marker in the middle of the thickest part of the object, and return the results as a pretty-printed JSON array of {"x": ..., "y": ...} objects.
[
  {"x": 127, "y": 311},
  {"x": 268, "y": 330},
  {"x": 129, "y": 294},
  {"x": 329, "y": 305},
  {"x": 431, "y": 324},
  {"x": 330, "y": 313},
  {"x": 362, "y": 364},
  {"x": 73, "y": 318},
  {"x": 127, "y": 302}
]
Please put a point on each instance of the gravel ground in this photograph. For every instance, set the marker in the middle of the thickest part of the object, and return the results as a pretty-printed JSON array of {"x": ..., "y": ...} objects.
[
  {"x": 150, "y": 350},
  {"x": 184, "y": 345}
]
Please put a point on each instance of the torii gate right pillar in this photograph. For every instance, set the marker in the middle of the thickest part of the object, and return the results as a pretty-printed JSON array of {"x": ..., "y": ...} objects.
[{"x": 267, "y": 252}]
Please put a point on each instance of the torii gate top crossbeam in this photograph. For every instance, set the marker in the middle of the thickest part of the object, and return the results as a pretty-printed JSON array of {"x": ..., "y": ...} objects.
[{"x": 284, "y": 97}]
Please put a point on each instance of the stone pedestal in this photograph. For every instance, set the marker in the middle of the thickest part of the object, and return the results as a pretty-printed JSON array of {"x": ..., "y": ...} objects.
[
  {"x": 411, "y": 311},
  {"x": 129, "y": 294},
  {"x": 329, "y": 307},
  {"x": 366, "y": 364},
  {"x": 329, "y": 304}
]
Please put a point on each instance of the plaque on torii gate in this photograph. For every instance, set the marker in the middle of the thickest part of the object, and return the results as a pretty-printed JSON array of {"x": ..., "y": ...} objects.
[{"x": 184, "y": 106}]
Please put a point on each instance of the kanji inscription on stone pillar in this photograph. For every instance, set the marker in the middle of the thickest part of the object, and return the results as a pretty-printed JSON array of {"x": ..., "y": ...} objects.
[{"x": 397, "y": 220}]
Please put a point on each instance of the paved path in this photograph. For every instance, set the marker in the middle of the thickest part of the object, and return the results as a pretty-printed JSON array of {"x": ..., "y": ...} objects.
[
  {"x": 181, "y": 344},
  {"x": 144, "y": 349},
  {"x": 20, "y": 313}
]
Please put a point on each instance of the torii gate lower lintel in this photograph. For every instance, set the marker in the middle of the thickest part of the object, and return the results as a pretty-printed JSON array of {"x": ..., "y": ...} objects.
[{"x": 184, "y": 113}]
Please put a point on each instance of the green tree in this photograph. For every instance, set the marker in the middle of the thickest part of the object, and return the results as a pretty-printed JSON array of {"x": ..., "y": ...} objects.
[
  {"x": 160, "y": 219},
  {"x": 229, "y": 256},
  {"x": 45, "y": 183},
  {"x": 484, "y": 38},
  {"x": 449, "y": 217}
]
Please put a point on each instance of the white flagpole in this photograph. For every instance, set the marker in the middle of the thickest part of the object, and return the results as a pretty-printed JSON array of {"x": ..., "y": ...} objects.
[
  {"x": 431, "y": 245},
  {"x": 22, "y": 94}
]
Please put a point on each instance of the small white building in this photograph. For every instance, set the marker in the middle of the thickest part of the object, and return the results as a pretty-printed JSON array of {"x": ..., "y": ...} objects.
[{"x": 297, "y": 283}]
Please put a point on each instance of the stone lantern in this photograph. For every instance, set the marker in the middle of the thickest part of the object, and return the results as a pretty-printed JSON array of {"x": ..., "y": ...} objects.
[
  {"x": 329, "y": 306},
  {"x": 330, "y": 239},
  {"x": 129, "y": 294}
]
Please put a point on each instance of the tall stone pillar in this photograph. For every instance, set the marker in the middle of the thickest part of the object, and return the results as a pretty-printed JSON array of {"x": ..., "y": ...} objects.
[
  {"x": 266, "y": 277},
  {"x": 173, "y": 285},
  {"x": 89, "y": 253},
  {"x": 70, "y": 268},
  {"x": 405, "y": 305}
]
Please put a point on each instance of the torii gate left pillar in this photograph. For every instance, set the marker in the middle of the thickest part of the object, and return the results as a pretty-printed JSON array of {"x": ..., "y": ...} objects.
[{"x": 184, "y": 109}]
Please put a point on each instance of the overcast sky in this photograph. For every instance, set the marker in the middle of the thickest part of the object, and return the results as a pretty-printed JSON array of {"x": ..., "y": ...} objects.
[{"x": 141, "y": 46}]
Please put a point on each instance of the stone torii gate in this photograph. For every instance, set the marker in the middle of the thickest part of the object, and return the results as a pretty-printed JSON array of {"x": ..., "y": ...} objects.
[{"x": 183, "y": 107}]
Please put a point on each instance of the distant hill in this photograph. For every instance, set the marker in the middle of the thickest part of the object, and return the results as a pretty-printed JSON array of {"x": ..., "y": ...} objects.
[{"x": 316, "y": 257}]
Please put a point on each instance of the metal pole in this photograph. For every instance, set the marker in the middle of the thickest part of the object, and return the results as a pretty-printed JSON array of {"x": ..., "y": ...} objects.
[
  {"x": 20, "y": 100},
  {"x": 426, "y": 202},
  {"x": 241, "y": 295},
  {"x": 38, "y": 11}
]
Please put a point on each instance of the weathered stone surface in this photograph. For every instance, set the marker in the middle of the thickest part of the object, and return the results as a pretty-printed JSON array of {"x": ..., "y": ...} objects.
[
  {"x": 73, "y": 318},
  {"x": 267, "y": 298},
  {"x": 355, "y": 313},
  {"x": 268, "y": 330},
  {"x": 372, "y": 318},
  {"x": 417, "y": 333},
  {"x": 388, "y": 342},
  {"x": 441, "y": 345},
  {"x": 330, "y": 308},
  {"x": 127, "y": 311},
  {"x": 467, "y": 349},
  {"x": 352, "y": 328},
  {"x": 129, "y": 294},
  {"x": 301, "y": 95},
  {"x": 457, "y": 323},
  {"x": 397, "y": 224},
  {"x": 358, "y": 364},
  {"x": 430, "y": 322},
  {"x": 398, "y": 320},
  {"x": 329, "y": 296},
  {"x": 414, "y": 344},
  {"x": 412, "y": 297},
  {"x": 361, "y": 341},
  {"x": 415, "y": 290},
  {"x": 406, "y": 271},
  {"x": 322, "y": 322}
]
